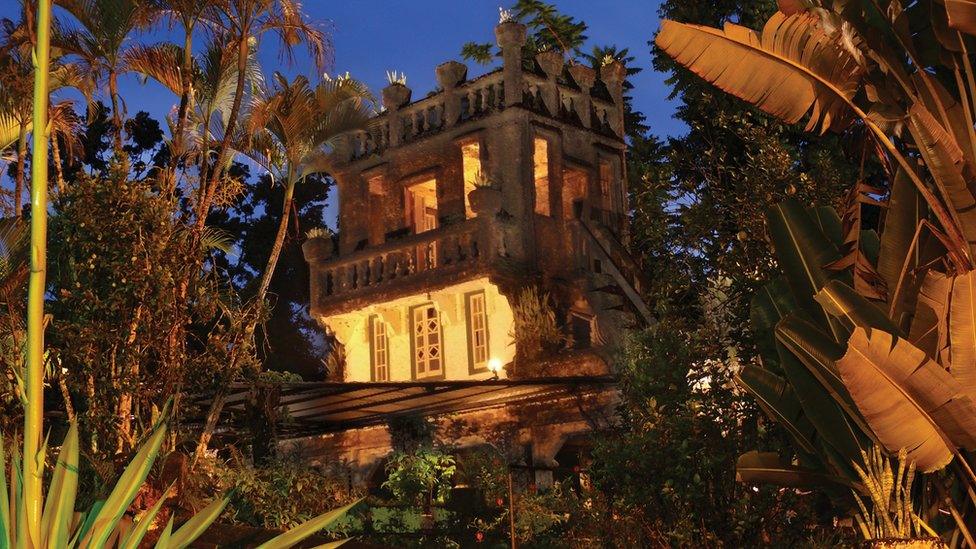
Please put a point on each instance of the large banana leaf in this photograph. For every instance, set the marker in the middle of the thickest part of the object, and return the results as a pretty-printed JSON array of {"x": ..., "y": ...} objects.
[
  {"x": 777, "y": 398},
  {"x": 794, "y": 68},
  {"x": 909, "y": 400},
  {"x": 832, "y": 424},
  {"x": 962, "y": 332},
  {"x": 905, "y": 209},
  {"x": 842, "y": 302},
  {"x": 827, "y": 220},
  {"x": 819, "y": 353},
  {"x": 766, "y": 467},
  {"x": 946, "y": 162},
  {"x": 802, "y": 251},
  {"x": 770, "y": 304},
  {"x": 309, "y": 527},
  {"x": 962, "y": 15},
  {"x": 928, "y": 329}
]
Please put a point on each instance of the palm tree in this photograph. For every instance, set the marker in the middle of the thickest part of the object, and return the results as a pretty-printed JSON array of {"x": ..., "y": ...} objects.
[
  {"x": 290, "y": 127},
  {"x": 100, "y": 43},
  {"x": 245, "y": 22}
]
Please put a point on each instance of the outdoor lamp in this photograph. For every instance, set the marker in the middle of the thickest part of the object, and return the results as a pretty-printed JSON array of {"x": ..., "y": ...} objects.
[{"x": 494, "y": 366}]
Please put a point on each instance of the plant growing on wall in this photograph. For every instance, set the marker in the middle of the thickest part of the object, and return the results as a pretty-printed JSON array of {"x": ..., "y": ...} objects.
[{"x": 535, "y": 332}]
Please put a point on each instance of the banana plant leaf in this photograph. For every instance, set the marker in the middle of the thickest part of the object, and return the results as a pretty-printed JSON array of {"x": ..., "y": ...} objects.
[
  {"x": 802, "y": 251},
  {"x": 928, "y": 330},
  {"x": 909, "y": 400},
  {"x": 777, "y": 398},
  {"x": 767, "y": 468},
  {"x": 769, "y": 305},
  {"x": 906, "y": 209},
  {"x": 842, "y": 302},
  {"x": 819, "y": 353},
  {"x": 832, "y": 424},
  {"x": 792, "y": 69},
  {"x": 829, "y": 223},
  {"x": 962, "y": 332}
]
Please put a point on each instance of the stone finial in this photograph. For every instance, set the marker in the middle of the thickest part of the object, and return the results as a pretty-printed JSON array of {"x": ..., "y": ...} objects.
[
  {"x": 451, "y": 73},
  {"x": 551, "y": 62},
  {"x": 510, "y": 33},
  {"x": 395, "y": 96},
  {"x": 583, "y": 75}
]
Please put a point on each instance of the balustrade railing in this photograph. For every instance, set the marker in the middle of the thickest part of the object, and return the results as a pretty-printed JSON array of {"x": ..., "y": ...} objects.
[{"x": 453, "y": 246}]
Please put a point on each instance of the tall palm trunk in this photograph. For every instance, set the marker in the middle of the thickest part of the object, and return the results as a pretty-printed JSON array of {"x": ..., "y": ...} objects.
[
  {"x": 34, "y": 379},
  {"x": 279, "y": 241},
  {"x": 56, "y": 160},
  {"x": 184, "y": 110},
  {"x": 113, "y": 90},
  {"x": 208, "y": 189},
  {"x": 21, "y": 166}
]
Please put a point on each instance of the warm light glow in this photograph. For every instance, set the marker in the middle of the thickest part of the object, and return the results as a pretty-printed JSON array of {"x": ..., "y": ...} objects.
[{"x": 494, "y": 365}]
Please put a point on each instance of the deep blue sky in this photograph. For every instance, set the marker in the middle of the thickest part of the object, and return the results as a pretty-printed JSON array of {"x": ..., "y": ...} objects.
[{"x": 415, "y": 36}]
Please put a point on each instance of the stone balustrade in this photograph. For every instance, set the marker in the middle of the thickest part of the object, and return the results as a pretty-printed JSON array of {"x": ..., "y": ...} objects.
[{"x": 453, "y": 247}]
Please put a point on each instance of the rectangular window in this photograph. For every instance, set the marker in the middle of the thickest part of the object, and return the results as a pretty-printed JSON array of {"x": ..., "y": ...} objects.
[
  {"x": 471, "y": 165},
  {"x": 379, "y": 349},
  {"x": 477, "y": 332},
  {"x": 540, "y": 159},
  {"x": 427, "y": 344}
]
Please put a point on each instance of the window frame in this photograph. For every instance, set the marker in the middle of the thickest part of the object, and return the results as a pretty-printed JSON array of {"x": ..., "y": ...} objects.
[
  {"x": 413, "y": 343},
  {"x": 374, "y": 321},
  {"x": 473, "y": 368}
]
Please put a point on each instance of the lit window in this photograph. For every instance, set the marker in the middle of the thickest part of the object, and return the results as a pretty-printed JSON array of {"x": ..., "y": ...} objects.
[
  {"x": 379, "y": 349},
  {"x": 471, "y": 164},
  {"x": 540, "y": 157},
  {"x": 427, "y": 349},
  {"x": 477, "y": 331}
]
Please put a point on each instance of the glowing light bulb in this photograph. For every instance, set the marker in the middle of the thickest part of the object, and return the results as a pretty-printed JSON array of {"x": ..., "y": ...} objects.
[{"x": 495, "y": 366}]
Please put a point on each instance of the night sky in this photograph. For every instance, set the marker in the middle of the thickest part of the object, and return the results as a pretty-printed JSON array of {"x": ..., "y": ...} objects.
[{"x": 415, "y": 36}]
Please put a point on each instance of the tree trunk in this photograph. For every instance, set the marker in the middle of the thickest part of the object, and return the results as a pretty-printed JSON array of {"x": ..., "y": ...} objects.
[
  {"x": 113, "y": 90},
  {"x": 207, "y": 189},
  {"x": 21, "y": 166},
  {"x": 56, "y": 159},
  {"x": 279, "y": 239}
]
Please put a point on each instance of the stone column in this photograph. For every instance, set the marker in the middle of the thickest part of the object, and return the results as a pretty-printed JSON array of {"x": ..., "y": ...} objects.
[
  {"x": 584, "y": 77},
  {"x": 394, "y": 97},
  {"x": 511, "y": 37},
  {"x": 449, "y": 75},
  {"x": 613, "y": 74},
  {"x": 552, "y": 64}
]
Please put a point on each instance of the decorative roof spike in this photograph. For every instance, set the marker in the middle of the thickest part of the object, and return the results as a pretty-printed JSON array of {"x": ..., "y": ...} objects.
[{"x": 396, "y": 78}]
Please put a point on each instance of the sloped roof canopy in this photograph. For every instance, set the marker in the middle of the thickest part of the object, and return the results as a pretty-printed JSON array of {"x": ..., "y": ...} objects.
[{"x": 311, "y": 408}]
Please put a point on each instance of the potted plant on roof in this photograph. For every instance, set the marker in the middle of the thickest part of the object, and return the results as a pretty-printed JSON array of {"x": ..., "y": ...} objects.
[
  {"x": 396, "y": 94},
  {"x": 318, "y": 245},
  {"x": 485, "y": 198}
]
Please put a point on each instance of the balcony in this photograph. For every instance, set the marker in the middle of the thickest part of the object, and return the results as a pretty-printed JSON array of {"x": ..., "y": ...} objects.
[{"x": 405, "y": 265}]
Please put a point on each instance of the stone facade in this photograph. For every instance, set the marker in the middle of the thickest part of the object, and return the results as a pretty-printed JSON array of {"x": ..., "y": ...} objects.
[{"x": 452, "y": 204}]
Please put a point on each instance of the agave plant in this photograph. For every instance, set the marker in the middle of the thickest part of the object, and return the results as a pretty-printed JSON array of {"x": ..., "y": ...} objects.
[{"x": 868, "y": 338}]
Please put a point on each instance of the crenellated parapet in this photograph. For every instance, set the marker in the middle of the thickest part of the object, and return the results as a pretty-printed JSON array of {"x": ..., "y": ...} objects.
[{"x": 547, "y": 86}]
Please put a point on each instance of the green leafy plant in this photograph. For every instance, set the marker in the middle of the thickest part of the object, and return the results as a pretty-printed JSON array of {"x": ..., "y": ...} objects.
[
  {"x": 422, "y": 477},
  {"x": 535, "y": 330}
]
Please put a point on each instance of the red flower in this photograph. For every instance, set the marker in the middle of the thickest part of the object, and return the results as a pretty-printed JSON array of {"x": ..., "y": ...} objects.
[{"x": 480, "y": 536}]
